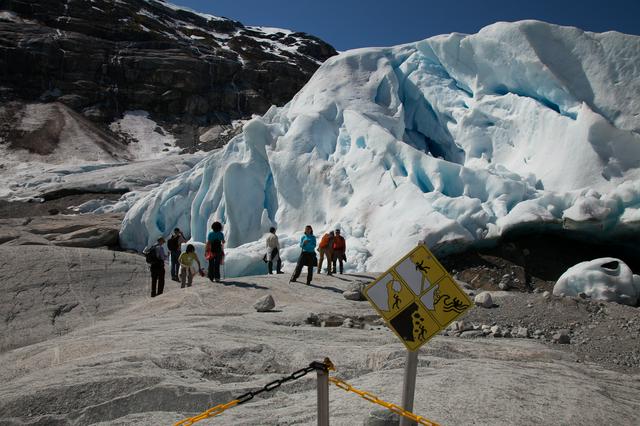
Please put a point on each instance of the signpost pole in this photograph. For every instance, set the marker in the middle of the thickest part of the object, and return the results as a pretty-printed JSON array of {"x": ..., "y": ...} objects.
[
  {"x": 323, "y": 398},
  {"x": 409, "y": 385}
]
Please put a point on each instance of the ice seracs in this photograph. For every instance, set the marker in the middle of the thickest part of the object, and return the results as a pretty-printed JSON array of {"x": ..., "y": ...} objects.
[{"x": 451, "y": 140}]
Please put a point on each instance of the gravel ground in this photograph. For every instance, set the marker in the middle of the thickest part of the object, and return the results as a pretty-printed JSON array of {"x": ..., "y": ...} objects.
[{"x": 600, "y": 332}]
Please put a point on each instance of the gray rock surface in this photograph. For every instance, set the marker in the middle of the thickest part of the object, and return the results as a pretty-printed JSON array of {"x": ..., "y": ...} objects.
[
  {"x": 157, "y": 361},
  {"x": 51, "y": 291},
  {"x": 89, "y": 231},
  {"x": 265, "y": 304}
]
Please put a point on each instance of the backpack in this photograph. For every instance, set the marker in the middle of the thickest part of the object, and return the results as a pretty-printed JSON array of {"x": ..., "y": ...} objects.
[
  {"x": 324, "y": 242},
  {"x": 151, "y": 255},
  {"x": 339, "y": 243},
  {"x": 173, "y": 244}
]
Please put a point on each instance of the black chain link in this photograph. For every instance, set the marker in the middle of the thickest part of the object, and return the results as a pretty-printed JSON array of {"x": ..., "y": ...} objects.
[{"x": 315, "y": 365}]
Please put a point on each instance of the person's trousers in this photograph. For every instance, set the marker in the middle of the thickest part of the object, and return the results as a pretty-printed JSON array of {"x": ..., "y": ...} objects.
[
  {"x": 175, "y": 266},
  {"x": 338, "y": 256},
  {"x": 157, "y": 280},
  {"x": 186, "y": 277},
  {"x": 275, "y": 253},
  {"x": 214, "y": 268},
  {"x": 304, "y": 259},
  {"x": 324, "y": 253}
]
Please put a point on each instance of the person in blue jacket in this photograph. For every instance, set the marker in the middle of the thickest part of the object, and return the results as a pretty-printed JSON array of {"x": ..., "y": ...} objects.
[
  {"x": 308, "y": 255},
  {"x": 215, "y": 251}
]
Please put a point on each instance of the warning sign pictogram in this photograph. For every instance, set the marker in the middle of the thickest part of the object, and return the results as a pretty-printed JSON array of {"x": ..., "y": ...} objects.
[{"x": 417, "y": 298}]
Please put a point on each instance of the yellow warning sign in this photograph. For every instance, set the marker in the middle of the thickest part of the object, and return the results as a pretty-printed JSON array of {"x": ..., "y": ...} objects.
[{"x": 417, "y": 298}]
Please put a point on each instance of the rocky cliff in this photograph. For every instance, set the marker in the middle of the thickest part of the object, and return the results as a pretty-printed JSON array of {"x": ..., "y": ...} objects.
[{"x": 188, "y": 70}]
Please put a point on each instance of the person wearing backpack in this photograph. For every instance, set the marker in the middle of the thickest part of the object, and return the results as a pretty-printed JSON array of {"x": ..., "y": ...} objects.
[
  {"x": 175, "y": 242},
  {"x": 155, "y": 257},
  {"x": 326, "y": 249},
  {"x": 307, "y": 257},
  {"x": 339, "y": 250},
  {"x": 187, "y": 268},
  {"x": 273, "y": 252},
  {"x": 214, "y": 251}
]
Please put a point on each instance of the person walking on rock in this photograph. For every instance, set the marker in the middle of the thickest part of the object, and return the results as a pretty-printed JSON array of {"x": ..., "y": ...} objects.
[
  {"x": 156, "y": 258},
  {"x": 187, "y": 268},
  {"x": 214, "y": 251},
  {"x": 326, "y": 249},
  {"x": 307, "y": 257},
  {"x": 339, "y": 251},
  {"x": 273, "y": 252},
  {"x": 175, "y": 242}
]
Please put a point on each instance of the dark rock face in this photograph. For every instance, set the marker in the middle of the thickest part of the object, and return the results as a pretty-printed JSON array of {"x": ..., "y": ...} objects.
[{"x": 104, "y": 57}]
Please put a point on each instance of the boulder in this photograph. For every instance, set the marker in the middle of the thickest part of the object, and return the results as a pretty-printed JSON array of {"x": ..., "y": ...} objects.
[
  {"x": 355, "y": 291},
  {"x": 265, "y": 304},
  {"x": 484, "y": 300}
]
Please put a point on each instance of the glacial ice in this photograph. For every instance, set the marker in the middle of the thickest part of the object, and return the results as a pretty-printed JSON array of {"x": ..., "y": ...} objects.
[
  {"x": 606, "y": 279},
  {"x": 452, "y": 140}
]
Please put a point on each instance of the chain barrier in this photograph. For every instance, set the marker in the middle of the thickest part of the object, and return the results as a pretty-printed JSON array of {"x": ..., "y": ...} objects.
[
  {"x": 326, "y": 366},
  {"x": 246, "y": 397},
  {"x": 368, "y": 396}
]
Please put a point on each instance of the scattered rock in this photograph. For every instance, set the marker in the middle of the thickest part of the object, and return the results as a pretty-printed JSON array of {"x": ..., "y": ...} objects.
[
  {"x": 355, "y": 291},
  {"x": 505, "y": 282},
  {"x": 471, "y": 334},
  {"x": 348, "y": 323},
  {"x": 265, "y": 304},
  {"x": 561, "y": 337},
  {"x": 496, "y": 331},
  {"x": 381, "y": 418},
  {"x": 484, "y": 299},
  {"x": 546, "y": 295},
  {"x": 522, "y": 332}
]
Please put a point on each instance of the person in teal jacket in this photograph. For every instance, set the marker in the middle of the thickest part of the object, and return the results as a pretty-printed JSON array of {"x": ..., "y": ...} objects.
[{"x": 308, "y": 256}]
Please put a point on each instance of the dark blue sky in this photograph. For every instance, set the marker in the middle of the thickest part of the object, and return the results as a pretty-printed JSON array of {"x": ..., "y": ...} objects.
[{"x": 348, "y": 24}]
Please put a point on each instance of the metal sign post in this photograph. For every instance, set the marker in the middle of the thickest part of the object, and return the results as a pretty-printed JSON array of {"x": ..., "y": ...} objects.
[
  {"x": 323, "y": 397},
  {"x": 409, "y": 386}
]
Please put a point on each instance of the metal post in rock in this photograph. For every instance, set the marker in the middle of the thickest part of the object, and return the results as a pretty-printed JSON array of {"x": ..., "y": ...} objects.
[
  {"x": 323, "y": 397},
  {"x": 409, "y": 385}
]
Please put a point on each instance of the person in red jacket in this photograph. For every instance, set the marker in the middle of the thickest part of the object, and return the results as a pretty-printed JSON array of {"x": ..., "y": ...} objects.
[{"x": 339, "y": 251}]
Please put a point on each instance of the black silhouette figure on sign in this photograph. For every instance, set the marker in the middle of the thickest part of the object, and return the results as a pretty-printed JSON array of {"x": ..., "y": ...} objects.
[
  {"x": 396, "y": 301},
  {"x": 422, "y": 267},
  {"x": 454, "y": 305},
  {"x": 421, "y": 332}
]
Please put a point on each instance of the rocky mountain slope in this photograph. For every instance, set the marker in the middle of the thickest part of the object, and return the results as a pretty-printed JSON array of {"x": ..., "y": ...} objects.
[{"x": 188, "y": 70}]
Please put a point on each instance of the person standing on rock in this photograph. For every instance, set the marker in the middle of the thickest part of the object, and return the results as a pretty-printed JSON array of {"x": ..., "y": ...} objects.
[
  {"x": 187, "y": 268},
  {"x": 214, "y": 251},
  {"x": 339, "y": 250},
  {"x": 273, "y": 252},
  {"x": 308, "y": 256},
  {"x": 156, "y": 259},
  {"x": 326, "y": 249},
  {"x": 174, "y": 244}
]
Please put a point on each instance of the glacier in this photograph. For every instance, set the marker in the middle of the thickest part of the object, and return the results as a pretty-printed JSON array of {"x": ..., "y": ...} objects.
[{"x": 451, "y": 141}]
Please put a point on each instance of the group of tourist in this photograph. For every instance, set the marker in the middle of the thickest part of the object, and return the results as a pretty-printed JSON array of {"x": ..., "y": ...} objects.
[{"x": 183, "y": 265}]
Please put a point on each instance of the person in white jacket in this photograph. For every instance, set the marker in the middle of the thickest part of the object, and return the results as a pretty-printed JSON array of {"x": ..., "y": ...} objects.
[{"x": 273, "y": 252}]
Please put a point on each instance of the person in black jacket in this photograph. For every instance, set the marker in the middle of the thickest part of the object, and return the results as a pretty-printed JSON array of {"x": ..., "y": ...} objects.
[{"x": 157, "y": 268}]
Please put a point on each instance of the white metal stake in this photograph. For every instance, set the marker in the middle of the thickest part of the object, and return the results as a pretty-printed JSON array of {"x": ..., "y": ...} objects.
[
  {"x": 409, "y": 386},
  {"x": 323, "y": 398}
]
